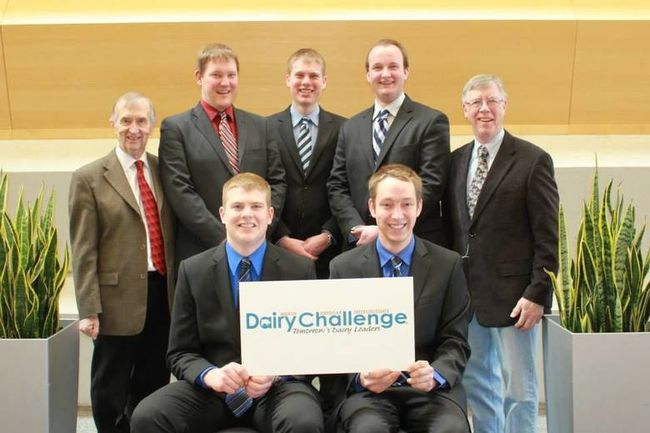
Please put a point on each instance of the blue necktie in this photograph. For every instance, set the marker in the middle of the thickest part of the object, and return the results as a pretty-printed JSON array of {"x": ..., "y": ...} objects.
[{"x": 379, "y": 131}]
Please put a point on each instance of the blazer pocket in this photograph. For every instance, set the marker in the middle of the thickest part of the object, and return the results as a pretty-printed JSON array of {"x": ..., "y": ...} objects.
[
  {"x": 521, "y": 267},
  {"x": 108, "y": 279}
]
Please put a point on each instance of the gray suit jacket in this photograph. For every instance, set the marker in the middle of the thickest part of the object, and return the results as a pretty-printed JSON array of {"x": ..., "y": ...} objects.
[
  {"x": 417, "y": 138},
  {"x": 441, "y": 311},
  {"x": 512, "y": 237},
  {"x": 194, "y": 167},
  {"x": 109, "y": 245},
  {"x": 205, "y": 324}
]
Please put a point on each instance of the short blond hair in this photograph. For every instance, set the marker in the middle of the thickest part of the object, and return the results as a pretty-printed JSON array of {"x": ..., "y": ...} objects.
[
  {"x": 215, "y": 51},
  {"x": 248, "y": 182},
  {"x": 309, "y": 54},
  {"x": 396, "y": 171}
]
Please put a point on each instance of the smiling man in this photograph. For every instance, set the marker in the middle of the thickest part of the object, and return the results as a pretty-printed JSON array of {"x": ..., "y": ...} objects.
[
  {"x": 504, "y": 209},
  {"x": 122, "y": 262},
  {"x": 428, "y": 396},
  {"x": 394, "y": 130},
  {"x": 202, "y": 148},
  {"x": 214, "y": 391},
  {"x": 306, "y": 136}
]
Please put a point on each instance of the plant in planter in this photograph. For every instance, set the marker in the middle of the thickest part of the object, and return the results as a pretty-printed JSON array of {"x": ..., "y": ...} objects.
[
  {"x": 596, "y": 353},
  {"x": 40, "y": 363}
]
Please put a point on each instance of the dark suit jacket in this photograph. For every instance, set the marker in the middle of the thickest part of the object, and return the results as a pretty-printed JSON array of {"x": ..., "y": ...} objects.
[
  {"x": 109, "y": 245},
  {"x": 194, "y": 167},
  {"x": 306, "y": 209},
  {"x": 417, "y": 138},
  {"x": 441, "y": 310},
  {"x": 513, "y": 235},
  {"x": 205, "y": 325}
]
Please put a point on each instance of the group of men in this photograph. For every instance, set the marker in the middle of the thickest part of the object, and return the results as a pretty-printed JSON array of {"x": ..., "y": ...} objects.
[{"x": 160, "y": 246}]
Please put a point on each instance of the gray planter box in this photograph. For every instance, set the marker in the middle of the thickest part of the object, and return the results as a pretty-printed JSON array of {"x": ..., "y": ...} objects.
[
  {"x": 596, "y": 383},
  {"x": 39, "y": 383}
]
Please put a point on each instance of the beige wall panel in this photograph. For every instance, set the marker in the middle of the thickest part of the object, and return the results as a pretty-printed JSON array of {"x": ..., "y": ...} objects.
[
  {"x": 67, "y": 76},
  {"x": 5, "y": 119},
  {"x": 612, "y": 74}
]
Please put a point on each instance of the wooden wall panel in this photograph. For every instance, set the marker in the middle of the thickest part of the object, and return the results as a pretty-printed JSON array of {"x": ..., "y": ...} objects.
[
  {"x": 67, "y": 76},
  {"x": 5, "y": 118}
]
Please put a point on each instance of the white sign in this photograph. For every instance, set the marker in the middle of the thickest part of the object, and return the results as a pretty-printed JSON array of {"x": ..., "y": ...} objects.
[{"x": 326, "y": 326}]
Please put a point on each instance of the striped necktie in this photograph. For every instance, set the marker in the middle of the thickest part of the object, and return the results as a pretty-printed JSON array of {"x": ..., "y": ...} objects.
[
  {"x": 396, "y": 262},
  {"x": 304, "y": 143},
  {"x": 379, "y": 131},
  {"x": 479, "y": 178},
  {"x": 229, "y": 142}
]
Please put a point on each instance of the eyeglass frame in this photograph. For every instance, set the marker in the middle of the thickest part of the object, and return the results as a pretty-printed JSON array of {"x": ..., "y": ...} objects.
[{"x": 476, "y": 104}]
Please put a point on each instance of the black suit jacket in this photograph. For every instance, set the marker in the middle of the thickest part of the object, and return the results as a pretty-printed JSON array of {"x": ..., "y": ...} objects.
[
  {"x": 417, "y": 138},
  {"x": 306, "y": 209},
  {"x": 194, "y": 167},
  {"x": 441, "y": 312},
  {"x": 513, "y": 236},
  {"x": 205, "y": 324}
]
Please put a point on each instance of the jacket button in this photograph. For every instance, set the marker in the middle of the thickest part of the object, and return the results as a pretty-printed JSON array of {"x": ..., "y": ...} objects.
[
  {"x": 143, "y": 247},
  {"x": 143, "y": 276},
  {"x": 472, "y": 235}
]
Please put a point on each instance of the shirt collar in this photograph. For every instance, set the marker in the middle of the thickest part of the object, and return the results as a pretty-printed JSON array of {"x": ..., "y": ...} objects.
[
  {"x": 257, "y": 259},
  {"x": 406, "y": 254},
  {"x": 492, "y": 146},
  {"x": 127, "y": 161},
  {"x": 213, "y": 112},
  {"x": 296, "y": 117},
  {"x": 392, "y": 108}
]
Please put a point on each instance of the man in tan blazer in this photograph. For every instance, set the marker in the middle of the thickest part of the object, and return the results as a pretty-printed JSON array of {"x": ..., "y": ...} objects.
[{"x": 122, "y": 248}]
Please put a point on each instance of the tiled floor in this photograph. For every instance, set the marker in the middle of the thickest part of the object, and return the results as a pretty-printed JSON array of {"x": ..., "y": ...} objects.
[{"x": 85, "y": 422}]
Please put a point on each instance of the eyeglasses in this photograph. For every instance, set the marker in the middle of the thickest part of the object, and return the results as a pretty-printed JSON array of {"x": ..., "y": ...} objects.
[{"x": 478, "y": 103}]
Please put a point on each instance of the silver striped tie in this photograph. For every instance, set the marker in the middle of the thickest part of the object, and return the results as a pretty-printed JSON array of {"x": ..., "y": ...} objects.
[
  {"x": 304, "y": 143},
  {"x": 379, "y": 131}
]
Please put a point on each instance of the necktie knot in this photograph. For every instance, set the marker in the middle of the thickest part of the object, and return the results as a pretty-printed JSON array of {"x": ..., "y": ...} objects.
[
  {"x": 304, "y": 122},
  {"x": 483, "y": 151},
  {"x": 396, "y": 262},
  {"x": 383, "y": 115},
  {"x": 223, "y": 116},
  {"x": 244, "y": 273}
]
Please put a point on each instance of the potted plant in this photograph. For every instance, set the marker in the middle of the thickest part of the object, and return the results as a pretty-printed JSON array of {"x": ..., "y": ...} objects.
[
  {"x": 39, "y": 361},
  {"x": 596, "y": 352}
]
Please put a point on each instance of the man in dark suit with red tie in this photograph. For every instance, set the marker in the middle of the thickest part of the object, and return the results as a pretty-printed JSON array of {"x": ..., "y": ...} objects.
[
  {"x": 503, "y": 203},
  {"x": 306, "y": 136},
  {"x": 214, "y": 391},
  {"x": 202, "y": 148},
  {"x": 122, "y": 262}
]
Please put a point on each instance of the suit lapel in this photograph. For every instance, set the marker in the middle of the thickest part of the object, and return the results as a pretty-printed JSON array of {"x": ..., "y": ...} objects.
[
  {"x": 242, "y": 135},
  {"x": 285, "y": 128},
  {"x": 460, "y": 187},
  {"x": 371, "y": 267},
  {"x": 420, "y": 268},
  {"x": 404, "y": 116},
  {"x": 224, "y": 291},
  {"x": 115, "y": 176},
  {"x": 365, "y": 136},
  {"x": 500, "y": 167},
  {"x": 204, "y": 126},
  {"x": 324, "y": 132}
]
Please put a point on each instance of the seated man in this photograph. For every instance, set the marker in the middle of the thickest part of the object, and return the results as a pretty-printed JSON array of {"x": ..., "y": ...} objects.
[
  {"x": 214, "y": 391},
  {"x": 428, "y": 396}
]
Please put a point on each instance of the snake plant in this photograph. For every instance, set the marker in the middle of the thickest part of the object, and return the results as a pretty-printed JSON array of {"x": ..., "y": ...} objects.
[
  {"x": 31, "y": 271},
  {"x": 605, "y": 288}
]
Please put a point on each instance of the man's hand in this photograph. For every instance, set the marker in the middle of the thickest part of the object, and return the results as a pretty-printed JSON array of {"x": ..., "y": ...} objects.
[
  {"x": 365, "y": 234},
  {"x": 227, "y": 379},
  {"x": 257, "y": 386},
  {"x": 90, "y": 326},
  {"x": 315, "y": 245},
  {"x": 421, "y": 373},
  {"x": 296, "y": 246},
  {"x": 378, "y": 380},
  {"x": 529, "y": 312}
]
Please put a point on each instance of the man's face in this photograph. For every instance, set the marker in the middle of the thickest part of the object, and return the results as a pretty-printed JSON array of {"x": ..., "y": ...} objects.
[
  {"x": 306, "y": 82},
  {"x": 485, "y": 109},
  {"x": 386, "y": 73},
  {"x": 132, "y": 126},
  {"x": 246, "y": 215},
  {"x": 395, "y": 207},
  {"x": 218, "y": 83}
]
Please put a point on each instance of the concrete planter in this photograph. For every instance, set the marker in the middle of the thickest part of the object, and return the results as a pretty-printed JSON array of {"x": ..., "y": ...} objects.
[
  {"x": 596, "y": 383},
  {"x": 39, "y": 383}
]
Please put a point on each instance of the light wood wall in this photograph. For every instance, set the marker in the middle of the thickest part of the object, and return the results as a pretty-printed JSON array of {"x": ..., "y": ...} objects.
[{"x": 564, "y": 74}]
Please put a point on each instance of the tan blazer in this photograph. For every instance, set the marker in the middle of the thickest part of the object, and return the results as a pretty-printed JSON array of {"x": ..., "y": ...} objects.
[{"x": 109, "y": 245}]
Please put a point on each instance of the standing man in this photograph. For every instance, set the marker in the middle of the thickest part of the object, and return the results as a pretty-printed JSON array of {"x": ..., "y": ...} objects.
[
  {"x": 306, "y": 136},
  {"x": 122, "y": 262},
  {"x": 214, "y": 391},
  {"x": 202, "y": 148},
  {"x": 504, "y": 206},
  {"x": 396, "y": 130},
  {"x": 428, "y": 397}
]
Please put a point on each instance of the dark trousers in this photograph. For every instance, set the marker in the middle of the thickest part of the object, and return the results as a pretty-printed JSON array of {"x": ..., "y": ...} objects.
[
  {"x": 182, "y": 407},
  {"x": 125, "y": 369}
]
